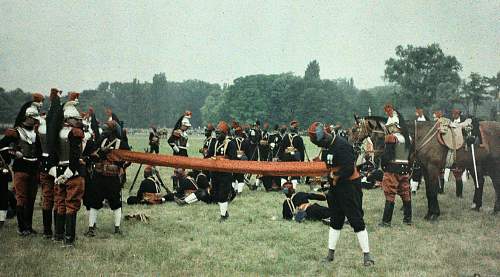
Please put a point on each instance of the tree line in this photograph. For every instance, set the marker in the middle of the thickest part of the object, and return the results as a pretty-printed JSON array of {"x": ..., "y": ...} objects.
[{"x": 417, "y": 77}]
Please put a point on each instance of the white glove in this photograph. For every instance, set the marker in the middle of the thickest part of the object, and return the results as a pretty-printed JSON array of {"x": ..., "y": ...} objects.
[
  {"x": 272, "y": 144},
  {"x": 68, "y": 173},
  {"x": 176, "y": 149},
  {"x": 60, "y": 180},
  {"x": 18, "y": 154},
  {"x": 329, "y": 159},
  {"x": 53, "y": 171},
  {"x": 187, "y": 145}
]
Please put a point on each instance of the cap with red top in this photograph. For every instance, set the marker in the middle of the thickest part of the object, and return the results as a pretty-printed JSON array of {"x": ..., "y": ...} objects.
[
  {"x": 223, "y": 127},
  {"x": 294, "y": 123},
  {"x": 188, "y": 114}
]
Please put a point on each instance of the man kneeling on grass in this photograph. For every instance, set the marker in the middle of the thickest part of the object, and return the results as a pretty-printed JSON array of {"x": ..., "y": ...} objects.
[
  {"x": 297, "y": 205},
  {"x": 192, "y": 187},
  {"x": 149, "y": 191}
]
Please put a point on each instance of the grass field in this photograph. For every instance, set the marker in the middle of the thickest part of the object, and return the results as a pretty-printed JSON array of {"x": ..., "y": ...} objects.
[{"x": 255, "y": 241}]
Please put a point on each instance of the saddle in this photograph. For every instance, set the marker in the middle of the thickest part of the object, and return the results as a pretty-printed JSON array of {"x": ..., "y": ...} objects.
[{"x": 451, "y": 134}]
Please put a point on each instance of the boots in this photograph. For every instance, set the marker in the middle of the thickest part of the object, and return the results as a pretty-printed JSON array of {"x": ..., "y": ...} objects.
[
  {"x": 47, "y": 224},
  {"x": 407, "y": 213},
  {"x": 59, "y": 227},
  {"x": 22, "y": 230},
  {"x": 70, "y": 234},
  {"x": 330, "y": 257},
  {"x": 387, "y": 217},
  {"x": 28, "y": 219}
]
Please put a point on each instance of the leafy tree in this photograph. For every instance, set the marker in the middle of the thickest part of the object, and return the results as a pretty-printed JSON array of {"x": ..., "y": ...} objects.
[
  {"x": 420, "y": 71},
  {"x": 312, "y": 71},
  {"x": 474, "y": 90}
]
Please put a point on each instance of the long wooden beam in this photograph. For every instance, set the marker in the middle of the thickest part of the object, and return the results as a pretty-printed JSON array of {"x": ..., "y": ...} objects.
[{"x": 224, "y": 165}]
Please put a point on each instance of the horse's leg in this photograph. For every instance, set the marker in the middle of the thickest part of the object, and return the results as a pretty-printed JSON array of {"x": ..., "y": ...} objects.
[
  {"x": 457, "y": 173},
  {"x": 495, "y": 179},
  {"x": 431, "y": 176},
  {"x": 477, "y": 201}
]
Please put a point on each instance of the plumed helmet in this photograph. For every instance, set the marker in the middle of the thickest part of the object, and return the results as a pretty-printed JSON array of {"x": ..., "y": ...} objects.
[{"x": 37, "y": 97}]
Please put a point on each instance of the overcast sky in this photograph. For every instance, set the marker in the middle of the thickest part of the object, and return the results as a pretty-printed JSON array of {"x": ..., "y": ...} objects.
[{"x": 74, "y": 45}]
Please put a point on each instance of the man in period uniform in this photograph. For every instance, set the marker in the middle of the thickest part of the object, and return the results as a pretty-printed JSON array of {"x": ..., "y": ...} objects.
[
  {"x": 222, "y": 148},
  {"x": 107, "y": 178},
  {"x": 209, "y": 129},
  {"x": 154, "y": 140},
  {"x": 416, "y": 176},
  {"x": 396, "y": 167},
  {"x": 275, "y": 145},
  {"x": 178, "y": 140},
  {"x": 292, "y": 149},
  {"x": 69, "y": 183},
  {"x": 5, "y": 173},
  {"x": 345, "y": 198},
  {"x": 296, "y": 205},
  {"x": 49, "y": 160},
  {"x": 27, "y": 150},
  {"x": 241, "y": 148}
]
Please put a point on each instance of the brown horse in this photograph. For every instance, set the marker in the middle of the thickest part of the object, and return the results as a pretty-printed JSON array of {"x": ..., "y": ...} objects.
[{"x": 432, "y": 155}]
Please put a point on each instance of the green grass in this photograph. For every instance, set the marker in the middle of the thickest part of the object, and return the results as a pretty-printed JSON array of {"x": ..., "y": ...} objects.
[{"x": 189, "y": 241}]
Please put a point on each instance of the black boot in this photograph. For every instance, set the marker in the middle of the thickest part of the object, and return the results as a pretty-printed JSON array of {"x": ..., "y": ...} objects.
[
  {"x": 70, "y": 234},
  {"x": 387, "y": 217},
  {"x": 28, "y": 219},
  {"x": 21, "y": 224},
  {"x": 330, "y": 257},
  {"x": 368, "y": 260},
  {"x": 407, "y": 213},
  {"x": 47, "y": 224},
  {"x": 59, "y": 229},
  {"x": 224, "y": 217}
]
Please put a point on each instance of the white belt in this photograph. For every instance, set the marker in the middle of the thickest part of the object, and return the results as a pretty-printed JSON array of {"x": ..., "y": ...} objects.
[
  {"x": 182, "y": 147},
  {"x": 64, "y": 163},
  {"x": 45, "y": 155},
  {"x": 5, "y": 148},
  {"x": 30, "y": 159}
]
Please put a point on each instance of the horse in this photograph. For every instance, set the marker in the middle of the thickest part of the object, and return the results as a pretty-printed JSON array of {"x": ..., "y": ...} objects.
[{"x": 427, "y": 149}]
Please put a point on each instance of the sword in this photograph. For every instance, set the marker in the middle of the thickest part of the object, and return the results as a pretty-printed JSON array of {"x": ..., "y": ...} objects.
[{"x": 474, "y": 163}]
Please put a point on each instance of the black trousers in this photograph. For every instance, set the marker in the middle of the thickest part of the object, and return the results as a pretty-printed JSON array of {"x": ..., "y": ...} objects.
[
  {"x": 317, "y": 212},
  {"x": 105, "y": 187},
  {"x": 222, "y": 186},
  {"x": 154, "y": 148},
  {"x": 347, "y": 200}
]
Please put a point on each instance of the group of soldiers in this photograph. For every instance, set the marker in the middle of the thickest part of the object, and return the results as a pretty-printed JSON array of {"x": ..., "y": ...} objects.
[{"x": 65, "y": 152}]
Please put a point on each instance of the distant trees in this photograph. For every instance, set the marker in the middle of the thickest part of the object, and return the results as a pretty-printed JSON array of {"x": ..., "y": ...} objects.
[
  {"x": 418, "y": 76},
  {"x": 425, "y": 74}
]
